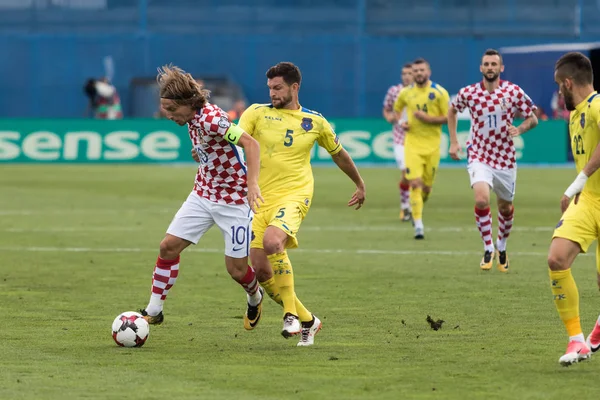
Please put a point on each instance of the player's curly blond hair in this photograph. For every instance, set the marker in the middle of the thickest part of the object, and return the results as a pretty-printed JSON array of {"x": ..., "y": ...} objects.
[{"x": 177, "y": 85}]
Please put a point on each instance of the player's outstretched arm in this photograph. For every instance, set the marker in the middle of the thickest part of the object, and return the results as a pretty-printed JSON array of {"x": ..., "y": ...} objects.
[
  {"x": 346, "y": 164},
  {"x": 252, "y": 150},
  {"x": 452, "y": 127}
]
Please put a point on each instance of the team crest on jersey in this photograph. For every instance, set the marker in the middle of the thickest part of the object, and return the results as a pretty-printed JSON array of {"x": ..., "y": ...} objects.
[
  {"x": 224, "y": 122},
  {"x": 503, "y": 105},
  {"x": 431, "y": 96},
  {"x": 582, "y": 120},
  {"x": 306, "y": 124}
]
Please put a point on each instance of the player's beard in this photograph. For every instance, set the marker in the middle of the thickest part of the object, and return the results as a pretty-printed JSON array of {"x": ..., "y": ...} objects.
[
  {"x": 282, "y": 102},
  {"x": 569, "y": 102},
  {"x": 491, "y": 78},
  {"x": 420, "y": 80}
]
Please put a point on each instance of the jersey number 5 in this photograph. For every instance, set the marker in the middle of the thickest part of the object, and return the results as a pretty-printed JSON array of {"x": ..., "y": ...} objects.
[
  {"x": 289, "y": 139},
  {"x": 578, "y": 144}
]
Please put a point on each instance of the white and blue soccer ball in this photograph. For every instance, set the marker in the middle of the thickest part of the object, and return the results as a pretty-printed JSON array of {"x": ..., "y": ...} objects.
[{"x": 130, "y": 329}]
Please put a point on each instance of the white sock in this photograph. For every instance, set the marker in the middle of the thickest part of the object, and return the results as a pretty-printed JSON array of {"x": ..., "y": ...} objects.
[
  {"x": 255, "y": 299},
  {"x": 155, "y": 306},
  {"x": 577, "y": 338},
  {"x": 419, "y": 224}
]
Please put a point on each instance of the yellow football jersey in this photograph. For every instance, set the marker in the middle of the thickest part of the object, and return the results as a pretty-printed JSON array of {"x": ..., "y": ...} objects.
[
  {"x": 433, "y": 99},
  {"x": 585, "y": 136},
  {"x": 286, "y": 139}
]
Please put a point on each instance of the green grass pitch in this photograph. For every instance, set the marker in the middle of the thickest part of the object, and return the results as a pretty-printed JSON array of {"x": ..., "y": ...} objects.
[{"x": 78, "y": 246}]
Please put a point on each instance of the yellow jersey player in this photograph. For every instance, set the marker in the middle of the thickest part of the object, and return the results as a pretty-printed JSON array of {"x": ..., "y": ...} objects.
[
  {"x": 287, "y": 132},
  {"x": 580, "y": 222},
  {"x": 427, "y": 108}
]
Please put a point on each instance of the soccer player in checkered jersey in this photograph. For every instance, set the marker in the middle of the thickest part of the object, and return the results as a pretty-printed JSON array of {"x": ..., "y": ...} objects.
[
  {"x": 399, "y": 122},
  {"x": 225, "y": 192},
  {"x": 492, "y": 104}
]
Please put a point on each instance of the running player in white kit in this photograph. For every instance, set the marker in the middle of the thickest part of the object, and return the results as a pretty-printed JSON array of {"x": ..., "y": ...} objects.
[
  {"x": 493, "y": 104},
  {"x": 225, "y": 192}
]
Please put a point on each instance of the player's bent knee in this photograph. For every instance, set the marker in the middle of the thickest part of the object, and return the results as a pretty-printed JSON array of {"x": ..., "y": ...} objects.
[
  {"x": 505, "y": 209},
  {"x": 273, "y": 245},
  {"x": 237, "y": 267},
  {"x": 170, "y": 247},
  {"x": 557, "y": 262},
  {"x": 482, "y": 203}
]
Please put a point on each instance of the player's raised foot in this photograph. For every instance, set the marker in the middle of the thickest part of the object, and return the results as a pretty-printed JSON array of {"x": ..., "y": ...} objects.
[
  {"x": 502, "y": 263},
  {"x": 405, "y": 215},
  {"x": 309, "y": 330},
  {"x": 487, "y": 261},
  {"x": 291, "y": 326},
  {"x": 153, "y": 319},
  {"x": 593, "y": 340},
  {"x": 419, "y": 233},
  {"x": 576, "y": 351},
  {"x": 253, "y": 313}
]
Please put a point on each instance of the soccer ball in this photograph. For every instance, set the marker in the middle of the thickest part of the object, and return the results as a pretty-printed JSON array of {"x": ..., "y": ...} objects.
[{"x": 130, "y": 329}]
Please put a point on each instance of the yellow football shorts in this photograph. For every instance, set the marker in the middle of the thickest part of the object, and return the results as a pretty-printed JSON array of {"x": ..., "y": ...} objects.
[
  {"x": 422, "y": 166},
  {"x": 286, "y": 216},
  {"x": 581, "y": 222}
]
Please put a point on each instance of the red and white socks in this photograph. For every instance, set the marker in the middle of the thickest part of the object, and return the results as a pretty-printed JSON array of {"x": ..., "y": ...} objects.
[
  {"x": 505, "y": 223},
  {"x": 250, "y": 285},
  {"x": 163, "y": 279},
  {"x": 483, "y": 218}
]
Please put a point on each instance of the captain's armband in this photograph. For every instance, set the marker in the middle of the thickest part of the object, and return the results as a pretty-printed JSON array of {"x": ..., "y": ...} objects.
[{"x": 233, "y": 134}]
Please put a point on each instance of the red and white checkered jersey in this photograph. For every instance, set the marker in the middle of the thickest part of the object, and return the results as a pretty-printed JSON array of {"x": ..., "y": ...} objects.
[
  {"x": 491, "y": 114},
  {"x": 388, "y": 104},
  {"x": 221, "y": 175}
]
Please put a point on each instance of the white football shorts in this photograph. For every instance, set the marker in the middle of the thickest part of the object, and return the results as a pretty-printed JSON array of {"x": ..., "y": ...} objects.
[
  {"x": 399, "y": 155},
  {"x": 502, "y": 181},
  {"x": 197, "y": 215}
]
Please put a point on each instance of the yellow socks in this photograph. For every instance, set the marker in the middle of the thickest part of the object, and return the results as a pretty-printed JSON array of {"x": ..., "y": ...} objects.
[
  {"x": 284, "y": 280},
  {"x": 416, "y": 203},
  {"x": 272, "y": 290},
  {"x": 566, "y": 299},
  {"x": 284, "y": 277}
]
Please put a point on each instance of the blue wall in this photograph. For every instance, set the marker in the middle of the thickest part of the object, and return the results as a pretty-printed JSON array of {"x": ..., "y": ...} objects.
[{"x": 349, "y": 51}]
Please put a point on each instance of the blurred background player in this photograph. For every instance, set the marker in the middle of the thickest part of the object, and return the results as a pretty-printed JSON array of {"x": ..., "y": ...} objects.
[
  {"x": 426, "y": 103},
  {"x": 103, "y": 99},
  {"x": 397, "y": 122},
  {"x": 224, "y": 193},
  {"x": 579, "y": 225},
  {"x": 492, "y": 104},
  {"x": 287, "y": 133},
  {"x": 236, "y": 111}
]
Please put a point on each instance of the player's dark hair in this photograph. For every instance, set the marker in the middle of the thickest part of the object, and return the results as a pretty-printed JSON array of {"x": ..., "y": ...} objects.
[
  {"x": 287, "y": 71},
  {"x": 576, "y": 66},
  {"x": 407, "y": 65},
  {"x": 492, "y": 52},
  {"x": 420, "y": 61}
]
